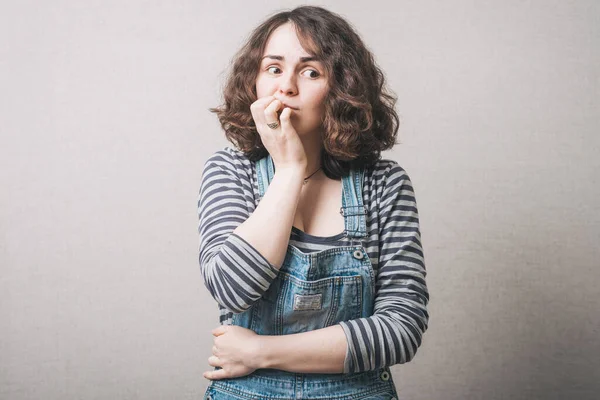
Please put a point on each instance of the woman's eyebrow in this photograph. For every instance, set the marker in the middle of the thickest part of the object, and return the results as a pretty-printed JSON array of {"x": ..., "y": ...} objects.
[{"x": 281, "y": 58}]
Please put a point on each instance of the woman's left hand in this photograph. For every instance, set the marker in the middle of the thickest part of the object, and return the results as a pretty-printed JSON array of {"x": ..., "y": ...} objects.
[{"x": 236, "y": 351}]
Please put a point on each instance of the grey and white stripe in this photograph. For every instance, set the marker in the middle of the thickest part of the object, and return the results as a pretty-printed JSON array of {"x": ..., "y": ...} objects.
[{"x": 237, "y": 275}]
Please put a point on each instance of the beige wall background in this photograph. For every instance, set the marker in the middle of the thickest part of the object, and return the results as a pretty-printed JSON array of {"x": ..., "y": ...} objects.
[{"x": 105, "y": 129}]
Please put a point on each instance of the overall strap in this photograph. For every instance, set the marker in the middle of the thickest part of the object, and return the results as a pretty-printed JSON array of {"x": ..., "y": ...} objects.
[
  {"x": 353, "y": 209},
  {"x": 265, "y": 170}
]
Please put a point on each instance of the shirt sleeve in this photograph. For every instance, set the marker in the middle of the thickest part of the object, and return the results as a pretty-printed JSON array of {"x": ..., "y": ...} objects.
[
  {"x": 400, "y": 318},
  {"x": 234, "y": 272}
]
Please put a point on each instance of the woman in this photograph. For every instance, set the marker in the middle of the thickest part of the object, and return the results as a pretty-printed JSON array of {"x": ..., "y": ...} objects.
[{"x": 309, "y": 241}]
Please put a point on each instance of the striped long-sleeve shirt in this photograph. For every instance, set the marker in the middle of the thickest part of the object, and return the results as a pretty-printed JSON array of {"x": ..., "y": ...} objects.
[{"x": 237, "y": 275}]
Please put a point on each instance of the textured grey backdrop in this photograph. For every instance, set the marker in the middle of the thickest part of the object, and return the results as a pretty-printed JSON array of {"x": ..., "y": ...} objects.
[{"x": 105, "y": 129}]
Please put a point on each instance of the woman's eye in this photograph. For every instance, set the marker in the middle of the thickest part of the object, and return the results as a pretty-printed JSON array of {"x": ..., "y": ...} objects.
[
  {"x": 312, "y": 73},
  {"x": 316, "y": 74}
]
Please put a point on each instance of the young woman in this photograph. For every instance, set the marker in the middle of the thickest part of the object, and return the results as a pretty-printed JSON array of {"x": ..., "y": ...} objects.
[{"x": 309, "y": 241}]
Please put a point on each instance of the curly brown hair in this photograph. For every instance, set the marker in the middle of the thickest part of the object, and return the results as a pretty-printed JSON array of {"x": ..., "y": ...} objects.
[{"x": 360, "y": 120}]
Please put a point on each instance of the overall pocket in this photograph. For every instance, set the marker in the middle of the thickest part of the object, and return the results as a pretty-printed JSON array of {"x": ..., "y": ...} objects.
[{"x": 308, "y": 305}]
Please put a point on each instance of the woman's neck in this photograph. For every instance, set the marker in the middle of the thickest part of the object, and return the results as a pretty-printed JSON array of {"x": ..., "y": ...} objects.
[{"x": 313, "y": 146}]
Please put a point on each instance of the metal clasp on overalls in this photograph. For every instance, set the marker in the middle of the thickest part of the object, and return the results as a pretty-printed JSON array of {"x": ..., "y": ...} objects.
[{"x": 349, "y": 215}]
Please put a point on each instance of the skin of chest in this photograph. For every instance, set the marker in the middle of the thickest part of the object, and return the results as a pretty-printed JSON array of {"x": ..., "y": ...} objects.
[{"x": 318, "y": 210}]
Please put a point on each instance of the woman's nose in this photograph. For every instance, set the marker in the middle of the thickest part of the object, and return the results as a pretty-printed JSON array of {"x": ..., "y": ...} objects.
[{"x": 287, "y": 85}]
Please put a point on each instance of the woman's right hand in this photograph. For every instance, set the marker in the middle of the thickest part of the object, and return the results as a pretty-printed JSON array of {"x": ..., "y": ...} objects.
[{"x": 283, "y": 142}]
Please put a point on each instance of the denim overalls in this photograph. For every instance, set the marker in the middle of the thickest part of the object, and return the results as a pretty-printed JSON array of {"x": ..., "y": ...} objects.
[{"x": 313, "y": 291}]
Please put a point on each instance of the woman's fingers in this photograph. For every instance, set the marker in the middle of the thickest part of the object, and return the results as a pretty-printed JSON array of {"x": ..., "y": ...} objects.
[
  {"x": 271, "y": 112},
  {"x": 218, "y": 374},
  {"x": 213, "y": 361},
  {"x": 258, "y": 109},
  {"x": 285, "y": 119}
]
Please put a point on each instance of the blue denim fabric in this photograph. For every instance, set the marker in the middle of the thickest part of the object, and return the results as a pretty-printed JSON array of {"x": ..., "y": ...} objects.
[{"x": 313, "y": 291}]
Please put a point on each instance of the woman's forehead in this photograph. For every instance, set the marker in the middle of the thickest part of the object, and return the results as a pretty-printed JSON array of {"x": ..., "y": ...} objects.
[{"x": 284, "y": 42}]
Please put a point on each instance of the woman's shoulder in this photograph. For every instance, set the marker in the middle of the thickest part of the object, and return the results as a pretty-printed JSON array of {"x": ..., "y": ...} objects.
[
  {"x": 229, "y": 159},
  {"x": 228, "y": 154},
  {"x": 385, "y": 169}
]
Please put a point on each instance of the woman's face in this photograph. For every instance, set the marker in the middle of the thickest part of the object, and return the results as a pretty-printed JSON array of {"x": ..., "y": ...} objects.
[{"x": 299, "y": 83}]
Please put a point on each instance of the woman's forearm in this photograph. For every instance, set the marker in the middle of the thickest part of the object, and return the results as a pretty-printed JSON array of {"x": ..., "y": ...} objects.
[
  {"x": 318, "y": 351},
  {"x": 268, "y": 227}
]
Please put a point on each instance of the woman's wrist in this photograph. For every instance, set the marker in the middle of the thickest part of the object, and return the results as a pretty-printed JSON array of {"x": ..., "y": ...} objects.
[{"x": 261, "y": 353}]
